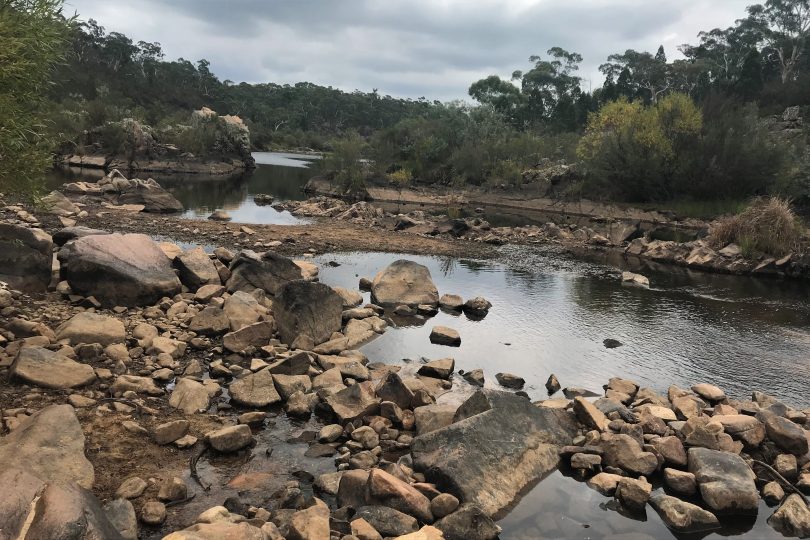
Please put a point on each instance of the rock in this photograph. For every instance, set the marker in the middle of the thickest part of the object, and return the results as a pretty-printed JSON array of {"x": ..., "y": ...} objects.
[
  {"x": 255, "y": 335},
  {"x": 404, "y": 282},
  {"x": 153, "y": 513},
  {"x": 552, "y": 385},
  {"x": 468, "y": 523},
  {"x": 255, "y": 390},
  {"x": 387, "y": 521},
  {"x": 287, "y": 385},
  {"x": 792, "y": 518},
  {"x": 633, "y": 493},
  {"x": 725, "y": 481},
  {"x": 189, "y": 396},
  {"x": 154, "y": 198},
  {"x": 119, "y": 270},
  {"x": 611, "y": 343},
  {"x": 786, "y": 434},
  {"x": 386, "y": 489},
  {"x": 242, "y": 310},
  {"x": 310, "y": 524},
  {"x": 475, "y": 376},
  {"x": 210, "y": 321},
  {"x": 362, "y": 530},
  {"x": 442, "y": 335},
  {"x": 48, "y": 369},
  {"x": 744, "y": 428},
  {"x": 173, "y": 489},
  {"x": 230, "y": 439},
  {"x": 50, "y": 445},
  {"x": 477, "y": 307},
  {"x": 508, "y": 380},
  {"x": 635, "y": 279},
  {"x": 170, "y": 431},
  {"x": 226, "y": 530},
  {"x": 709, "y": 392},
  {"x": 91, "y": 328},
  {"x": 432, "y": 417},
  {"x": 683, "y": 517},
  {"x": 134, "y": 383},
  {"x": 681, "y": 482},
  {"x": 25, "y": 257},
  {"x": 604, "y": 483},
  {"x": 300, "y": 404},
  {"x": 164, "y": 345},
  {"x": 196, "y": 269},
  {"x": 443, "y": 505},
  {"x": 350, "y": 298},
  {"x": 121, "y": 515},
  {"x": 589, "y": 415},
  {"x": 63, "y": 236},
  {"x": 219, "y": 215},
  {"x": 330, "y": 433},
  {"x": 267, "y": 272},
  {"x": 441, "y": 369},
  {"x": 304, "y": 307},
  {"x": 671, "y": 449},
  {"x": 451, "y": 302},
  {"x": 624, "y": 452},
  {"x": 131, "y": 488},
  {"x": 393, "y": 389},
  {"x": 56, "y": 203},
  {"x": 773, "y": 493},
  {"x": 786, "y": 465},
  {"x": 366, "y": 436},
  {"x": 354, "y": 402},
  {"x": 516, "y": 444}
]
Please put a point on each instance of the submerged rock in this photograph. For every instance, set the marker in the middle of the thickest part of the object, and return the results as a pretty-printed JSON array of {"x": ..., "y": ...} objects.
[{"x": 683, "y": 517}]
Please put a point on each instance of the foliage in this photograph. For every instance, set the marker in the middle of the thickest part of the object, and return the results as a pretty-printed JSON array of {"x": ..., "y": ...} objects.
[
  {"x": 767, "y": 226},
  {"x": 346, "y": 162},
  {"x": 32, "y": 33}
]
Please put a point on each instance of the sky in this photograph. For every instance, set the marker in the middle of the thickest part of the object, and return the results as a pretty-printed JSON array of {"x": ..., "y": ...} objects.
[{"x": 403, "y": 48}]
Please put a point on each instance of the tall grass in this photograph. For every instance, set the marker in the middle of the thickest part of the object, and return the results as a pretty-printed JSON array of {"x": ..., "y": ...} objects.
[{"x": 767, "y": 226}]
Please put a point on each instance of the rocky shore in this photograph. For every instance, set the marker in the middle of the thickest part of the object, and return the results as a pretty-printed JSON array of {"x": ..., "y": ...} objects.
[{"x": 126, "y": 364}]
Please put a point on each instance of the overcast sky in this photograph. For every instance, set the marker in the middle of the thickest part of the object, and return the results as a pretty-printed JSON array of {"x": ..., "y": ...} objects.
[{"x": 407, "y": 48}]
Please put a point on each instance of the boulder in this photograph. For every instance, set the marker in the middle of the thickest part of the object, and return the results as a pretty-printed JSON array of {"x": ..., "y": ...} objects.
[
  {"x": 468, "y": 523},
  {"x": 58, "y": 204},
  {"x": 350, "y": 298},
  {"x": 683, "y": 517},
  {"x": 404, "y": 282},
  {"x": 119, "y": 270},
  {"x": 49, "y": 369},
  {"x": 625, "y": 452},
  {"x": 152, "y": 196},
  {"x": 744, "y": 428},
  {"x": 210, "y": 321},
  {"x": 63, "y": 236},
  {"x": 432, "y": 417},
  {"x": 392, "y": 388},
  {"x": 255, "y": 390},
  {"x": 230, "y": 439},
  {"x": 25, "y": 257},
  {"x": 91, "y": 328},
  {"x": 242, "y": 309},
  {"x": 310, "y": 524},
  {"x": 681, "y": 482},
  {"x": 310, "y": 308},
  {"x": 633, "y": 493},
  {"x": 196, "y": 269},
  {"x": 516, "y": 445},
  {"x": 792, "y": 518},
  {"x": 387, "y": 521},
  {"x": 268, "y": 272},
  {"x": 477, "y": 307},
  {"x": 441, "y": 369},
  {"x": 255, "y": 335},
  {"x": 121, "y": 514},
  {"x": 442, "y": 335},
  {"x": 354, "y": 402},
  {"x": 589, "y": 415},
  {"x": 786, "y": 434},
  {"x": 604, "y": 483},
  {"x": 725, "y": 481},
  {"x": 709, "y": 392},
  {"x": 189, "y": 396},
  {"x": 50, "y": 445},
  {"x": 388, "y": 490},
  {"x": 451, "y": 302}
]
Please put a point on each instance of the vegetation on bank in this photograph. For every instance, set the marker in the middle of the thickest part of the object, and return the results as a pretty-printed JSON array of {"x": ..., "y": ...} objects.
[{"x": 767, "y": 225}]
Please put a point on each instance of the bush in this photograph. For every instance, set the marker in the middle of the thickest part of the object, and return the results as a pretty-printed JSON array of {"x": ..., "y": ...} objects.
[
  {"x": 767, "y": 226},
  {"x": 346, "y": 162}
]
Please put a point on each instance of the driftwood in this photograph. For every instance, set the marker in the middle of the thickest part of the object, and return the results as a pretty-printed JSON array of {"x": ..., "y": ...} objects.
[
  {"x": 192, "y": 465},
  {"x": 782, "y": 480}
]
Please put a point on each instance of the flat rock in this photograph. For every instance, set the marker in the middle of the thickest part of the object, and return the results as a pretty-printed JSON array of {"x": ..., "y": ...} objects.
[
  {"x": 229, "y": 439},
  {"x": 91, "y": 328},
  {"x": 254, "y": 335},
  {"x": 468, "y": 523},
  {"x": 683, "y": 517},
  {"x": 48, "y": 369},
  {"x": 441, "y": 369},
  {"x": 255, "y": 390},
  {"x": 387, "y": 521},
  {"x": 189, "y": 396},
  {"x": 442, "y": 335},
  {"x": 725, "y": 481},
  {"x": 354, "y": 402}
]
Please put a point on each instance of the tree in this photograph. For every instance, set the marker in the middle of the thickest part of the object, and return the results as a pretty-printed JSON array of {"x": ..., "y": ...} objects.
[
  {"x": 788, "y": 28},
  {"x": 33, "y": 35},
  {"x": 648, "y": 73}
]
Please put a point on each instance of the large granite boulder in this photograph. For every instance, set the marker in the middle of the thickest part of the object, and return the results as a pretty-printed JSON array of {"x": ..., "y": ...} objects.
[
  {"x": 196, "y": 269},
  {"x": 307, "y": 308},
  {"x": 268, "y": 272},
  {"x": 50, "y": 445},
  {"x": 49, "y": 369},
  {"x": 125, "y": 270},
  {"x": 513, "y": 444},
  {"x": 91, "y": 328},
  {"x": 725, "y": 481},
  {"x": 404, "y": 282},
  {"x": 26, "y": 257},
  {"x": 151, "y": 195}
]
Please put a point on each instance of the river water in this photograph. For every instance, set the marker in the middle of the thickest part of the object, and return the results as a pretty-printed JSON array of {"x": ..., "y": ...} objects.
[{"x": 551, "y": 313}]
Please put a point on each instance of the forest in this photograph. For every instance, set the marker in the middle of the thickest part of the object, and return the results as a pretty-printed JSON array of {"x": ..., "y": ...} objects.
[{"x": 706, "y": 125}]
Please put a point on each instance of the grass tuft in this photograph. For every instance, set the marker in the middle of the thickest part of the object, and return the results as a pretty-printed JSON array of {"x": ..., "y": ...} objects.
[{"x": 767, "y": 225}]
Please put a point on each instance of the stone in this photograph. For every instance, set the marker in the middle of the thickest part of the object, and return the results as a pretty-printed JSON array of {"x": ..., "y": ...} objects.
[
  {"x": 310, "y": 308},
  {"x": 354, "y": 402},
  {"x": 151, "y": 196},
  {"x": 121, "y": 514},
  {"x": 173, "y": 489},
  {"x": 516, "y": 444},
  {"x": 441, "y": 369},
  {"x": 119, "y": 270},
  {"x": 680, "y": 482},
  {"x": 206, "y": 293},
  {"x": 442, "y": 335},
  {"x": 604, "y": 483},
  {"x": 169, "y": 432},
  {"x": 624, "y": 452},
  {"x": 153, "y": 513},
  {"x": 743, "y": 428},
  {"x": 787, "y": 466},
  {"x": 366, "y": 436},
  {"x": 633, "y": 493},
  {"x": 242, "y": 309},
  {"x": 709, "y": 392},
  {"x": 773, "y": 493},
  {"x": 255, "y": 390},
  {"x": 189, "y": 396},
  {"x": 508, "y": 380},
  {"x": 25, "y": 257},
  {"x": 443, "y": 505},
  {"x": 169, "y": 346},
  {"x": 91, "y": 328},
  {"x": 390, "y": 491},
  {"x": 589, "y": 415},
  {"x": 451, "y": 302},
  {"x": 792, "y": 518},
  {"x": 287, "y": 385},
  {"x": 392, "y": 388},
  {"x": 310, "y": 524},
  {"x": 48, "y": 369},
  {"x": 50, "y": 445},
  {"x": 211, "y": 321},
  {"x": 254, "y": 335},
  {"x": 477, "y": 307},
  {"x": 300, "y": 404},
  {"x": 363, "y": 530},
  {"x": 786, "y": 434},
  {"x": 468, "y": 522},
  {"x": 230, "y": 439},
  {"x": 131, "y": 488},
  {"x": 475, "y": 377},
  {"x": 683, "y": 517},
  {"x": 330, "y": 433},
  {"x": 350, "y": 298},
  {"x": 196, "y": 269},
  {"x": 552, "y": 385},
  {"x": 135, "y": 383},
  {"x": 432, "y": 417},
  {"x": 404, "y": 282},
  {"x": 635, "y": 279},
  {"x": 671, "y": 449},
  {"x": 725, "y": 481},
  {"x": 268, "y": 272},
  {"x": 387, "y": 521}
]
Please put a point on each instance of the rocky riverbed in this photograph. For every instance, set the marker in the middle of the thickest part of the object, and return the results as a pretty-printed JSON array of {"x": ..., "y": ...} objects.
[{"x": 139, "y": 379}]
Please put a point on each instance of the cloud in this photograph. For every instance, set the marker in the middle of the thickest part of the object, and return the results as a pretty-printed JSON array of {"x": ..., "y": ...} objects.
[{"x": 410, "y": 48}]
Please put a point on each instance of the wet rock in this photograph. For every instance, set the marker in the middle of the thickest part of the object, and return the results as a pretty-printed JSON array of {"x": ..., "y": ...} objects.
[
  {"x": 475, "y": 376},
  {"x": 196, "y": 269},
  {"x": 91, "y": 328},
  {"x": 441, "y": 369},
  {"x": 477, "y": 307},
  {"x": 786, "y": 465},
  {"x": 508, "y": 380},
  {"x": 189, "y": 396},
  {"x": 604, "y": 483},
  {"x": 219, "y": 215},
  {"x": 170, "y": 431},
  {"x": 773, "y": 493},
  {"x": 792, "y": 518},
  {"x": 709, "y": 392},
  {"x": 48, "y": 369},
  {"x": 230, "y": 439},
  {"x": 404, "y": 282},
  {"x": 624, "y": 452},
  {"x": 611, "y": 343},
  {"x": 515, "y": 446},
  {"x": 725, "y": 481},
  {"x": 304, "y": 307},
  {"x": 310, "y": 524},
  {"x": 268, "y": 272},
  {"x": 635, "y": 279},
  {"x": 683, "y": 517},
  {"x": 451, "y": 302},
  {"x": 151, "y": 195},
  {"x": 25, "y": 257},
  {"x": 442, "y": 335},
  {"x": 468, "y": 523},
  {"x": 671, "y": 449},
  {"x": 633, "y": 493},
  {"x": 255, "y": 390},
  {"x": 393, "y": 389},
  {"x": 121, "y": 515},
  {"x": 119, "y": 270},
  {"x": 354, "y": 402},
  {"x": 786, "y": 434},
  {"x": 255, "y": 335},
  {"x": 387, "y": 521},
  {"x": 552, "y": 384},
  {"x": 350, "y": 298}
]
